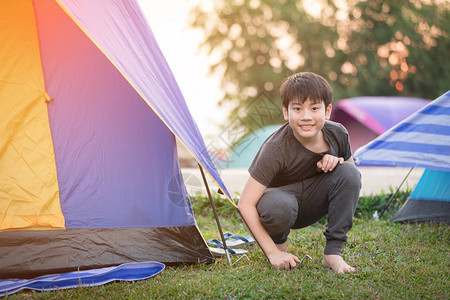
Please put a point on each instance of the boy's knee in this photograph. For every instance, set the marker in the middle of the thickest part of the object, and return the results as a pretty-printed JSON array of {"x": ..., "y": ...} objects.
[
  {"x": 277, "y": 211},
  {"x": 351, "y": 174}
]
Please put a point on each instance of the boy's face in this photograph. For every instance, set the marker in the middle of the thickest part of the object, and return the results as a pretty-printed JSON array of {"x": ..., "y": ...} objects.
[{"x": 307, "y": 119}]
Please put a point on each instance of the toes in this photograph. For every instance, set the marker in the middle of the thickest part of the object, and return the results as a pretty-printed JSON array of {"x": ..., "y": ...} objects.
[{"x": 349, "y": 269}]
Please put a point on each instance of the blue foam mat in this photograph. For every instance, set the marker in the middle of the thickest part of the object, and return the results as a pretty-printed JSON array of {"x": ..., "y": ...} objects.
[{"x": 95, "y": 277}]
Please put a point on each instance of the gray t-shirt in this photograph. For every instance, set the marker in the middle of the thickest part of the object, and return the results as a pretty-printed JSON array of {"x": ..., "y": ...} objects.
[{"x": 283, "y": 160}]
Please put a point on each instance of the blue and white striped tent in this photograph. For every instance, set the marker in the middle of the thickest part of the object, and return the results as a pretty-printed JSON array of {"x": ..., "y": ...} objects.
[{"x": 422, "y": 140}]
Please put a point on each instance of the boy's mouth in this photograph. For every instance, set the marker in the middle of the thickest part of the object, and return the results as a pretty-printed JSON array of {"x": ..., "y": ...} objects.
[{"x": 306, "y": 127}]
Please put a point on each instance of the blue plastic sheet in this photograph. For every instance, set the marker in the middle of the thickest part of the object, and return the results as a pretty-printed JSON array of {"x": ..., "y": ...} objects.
[{"x": 87, "y": 278}]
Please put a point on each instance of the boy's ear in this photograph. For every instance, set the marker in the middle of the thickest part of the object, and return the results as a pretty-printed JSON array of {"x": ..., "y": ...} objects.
[
  {"x": 328, "y": 112},
  {"x": 285, "y": 114}
]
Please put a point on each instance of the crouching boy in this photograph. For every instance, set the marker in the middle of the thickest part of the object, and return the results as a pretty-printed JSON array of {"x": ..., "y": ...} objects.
[{"x": 301, "y": 173}]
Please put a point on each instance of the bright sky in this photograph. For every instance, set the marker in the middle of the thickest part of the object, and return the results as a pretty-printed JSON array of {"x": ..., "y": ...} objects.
[{"x": 179, "y": 44}]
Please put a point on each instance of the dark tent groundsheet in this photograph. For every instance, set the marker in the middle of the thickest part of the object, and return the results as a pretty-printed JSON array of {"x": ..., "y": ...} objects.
[{"x": 429, "y": 201}]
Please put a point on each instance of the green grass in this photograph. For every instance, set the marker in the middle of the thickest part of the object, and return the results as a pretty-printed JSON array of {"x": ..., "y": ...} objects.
[{"x": 393, "y": 261}]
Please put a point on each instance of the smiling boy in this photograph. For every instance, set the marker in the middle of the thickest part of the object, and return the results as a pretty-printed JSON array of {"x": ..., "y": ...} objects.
[{"x": 301, "y": 173}]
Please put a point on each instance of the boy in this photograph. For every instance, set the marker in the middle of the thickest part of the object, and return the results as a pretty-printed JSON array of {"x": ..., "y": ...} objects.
[{"x": 302, "y": 172}]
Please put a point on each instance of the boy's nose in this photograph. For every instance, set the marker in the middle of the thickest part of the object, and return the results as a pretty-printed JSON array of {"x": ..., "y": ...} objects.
[{"x": 305, "y": 114}]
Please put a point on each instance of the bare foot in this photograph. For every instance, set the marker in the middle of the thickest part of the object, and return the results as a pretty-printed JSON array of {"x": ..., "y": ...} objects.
[{"x": 336, "y": 263}]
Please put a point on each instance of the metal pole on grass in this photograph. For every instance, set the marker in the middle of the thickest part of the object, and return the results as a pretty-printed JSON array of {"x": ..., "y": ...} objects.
[
  {"x": 215, "y": 215},
  {"x": 390, "y": 200}
]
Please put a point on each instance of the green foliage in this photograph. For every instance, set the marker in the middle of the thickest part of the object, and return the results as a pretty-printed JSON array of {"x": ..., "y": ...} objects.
[
  {"x": 369, "y": 205},
  {"x": 398, "y": 48},
  {"x": 202, "y": 205},
  {"x": 377, "y": 47}
]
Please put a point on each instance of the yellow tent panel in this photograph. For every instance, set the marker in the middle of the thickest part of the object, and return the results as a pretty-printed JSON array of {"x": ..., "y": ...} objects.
[{"x": 28, "y": 182}]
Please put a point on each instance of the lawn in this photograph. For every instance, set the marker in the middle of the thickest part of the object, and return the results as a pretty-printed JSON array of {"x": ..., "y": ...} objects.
[{"x": 393, "y": 261}]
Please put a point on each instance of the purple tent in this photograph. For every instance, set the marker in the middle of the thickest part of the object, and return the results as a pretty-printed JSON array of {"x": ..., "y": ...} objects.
[
  {"x": 367, "y": 117},
  {"x": 89, "y": 117}
]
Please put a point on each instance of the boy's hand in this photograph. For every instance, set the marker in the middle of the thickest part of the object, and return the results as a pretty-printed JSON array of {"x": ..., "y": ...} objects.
[
  {"x": 329, "y": 162},
  {"x": 283, "y": 260}
]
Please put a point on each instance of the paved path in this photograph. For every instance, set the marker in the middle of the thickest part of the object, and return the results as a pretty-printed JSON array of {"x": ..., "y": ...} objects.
[{"x": 374, "y": 179}]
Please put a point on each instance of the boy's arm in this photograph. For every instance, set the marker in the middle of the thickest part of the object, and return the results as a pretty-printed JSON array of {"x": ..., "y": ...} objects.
[{"x": 251, "y": 194}]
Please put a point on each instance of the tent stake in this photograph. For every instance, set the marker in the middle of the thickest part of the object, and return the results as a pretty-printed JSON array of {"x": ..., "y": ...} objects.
[
  {"x": 392, "y": 197},
  {"x": 225, "y": 247}
]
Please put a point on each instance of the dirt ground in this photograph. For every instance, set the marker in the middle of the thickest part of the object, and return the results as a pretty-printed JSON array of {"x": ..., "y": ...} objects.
[{"x": 374, "y": 179}]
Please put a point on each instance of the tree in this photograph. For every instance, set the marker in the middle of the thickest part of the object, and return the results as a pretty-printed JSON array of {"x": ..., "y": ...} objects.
[
  {"x": 376, "y": 47},
  {"x": 396, "y": 48}
]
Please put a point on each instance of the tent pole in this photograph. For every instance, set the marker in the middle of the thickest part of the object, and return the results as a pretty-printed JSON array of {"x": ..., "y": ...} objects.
[
  {"x": 248, "y": 228},
  {"x": 225, "y": 247},
  {"x": 392, "y": 197}
]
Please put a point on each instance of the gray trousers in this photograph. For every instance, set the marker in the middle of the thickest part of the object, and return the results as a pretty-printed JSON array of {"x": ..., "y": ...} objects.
[{"x": 304, "y": 203}]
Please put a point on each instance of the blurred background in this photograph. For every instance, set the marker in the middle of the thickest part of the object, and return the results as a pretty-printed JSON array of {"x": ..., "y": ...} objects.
[
  {"x": 384, "y": 60},
  {"x": 363, "y": 48}
]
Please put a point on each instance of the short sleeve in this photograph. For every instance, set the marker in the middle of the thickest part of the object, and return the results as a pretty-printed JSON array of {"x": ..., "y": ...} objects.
[
  {"x": 345, "y": 144},
  {"x": 267, "y": 163}
]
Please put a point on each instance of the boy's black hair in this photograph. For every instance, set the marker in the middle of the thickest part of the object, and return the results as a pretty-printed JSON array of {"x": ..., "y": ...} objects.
[{"x": 303, "y": 86}]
